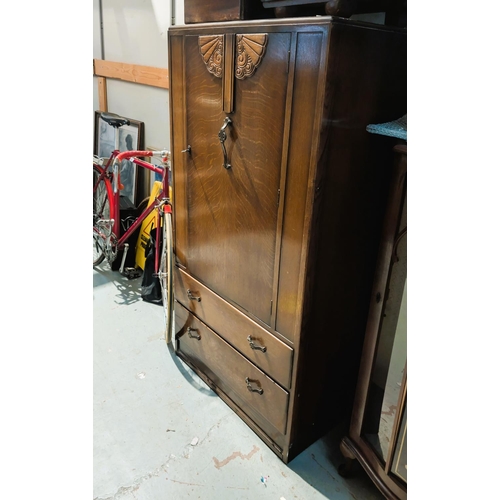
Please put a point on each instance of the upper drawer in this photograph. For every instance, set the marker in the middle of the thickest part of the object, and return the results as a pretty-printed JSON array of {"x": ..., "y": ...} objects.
[{"x": 270, "y": 354}]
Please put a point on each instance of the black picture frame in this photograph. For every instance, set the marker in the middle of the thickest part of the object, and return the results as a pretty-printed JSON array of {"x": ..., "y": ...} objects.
[{"x": 131, "y": 138}]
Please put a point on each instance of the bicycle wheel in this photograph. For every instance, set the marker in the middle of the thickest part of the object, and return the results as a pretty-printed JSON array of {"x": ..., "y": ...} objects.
[
  {"x": 166, "y": 275},
  {"x": 102, "y": 209}
]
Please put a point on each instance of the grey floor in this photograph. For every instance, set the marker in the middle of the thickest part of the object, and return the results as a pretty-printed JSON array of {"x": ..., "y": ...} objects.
[{"x": 161, "y": 433}]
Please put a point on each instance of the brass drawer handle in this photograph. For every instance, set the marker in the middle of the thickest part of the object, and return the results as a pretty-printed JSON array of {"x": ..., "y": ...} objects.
[
  {"x": 254, "y": 346},
  {"x": 222, "y": 139},
  {"x": 193, "y": 297},
  {"x": 252, "y": 389},
  {"x": 193, "y": 335}
]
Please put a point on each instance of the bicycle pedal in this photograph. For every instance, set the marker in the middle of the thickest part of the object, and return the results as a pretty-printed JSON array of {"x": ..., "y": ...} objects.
[{"x": 131, "y": 273}]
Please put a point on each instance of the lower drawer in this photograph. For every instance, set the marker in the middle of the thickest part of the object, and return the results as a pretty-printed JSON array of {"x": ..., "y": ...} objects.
[{"x": 259, "y": 396}]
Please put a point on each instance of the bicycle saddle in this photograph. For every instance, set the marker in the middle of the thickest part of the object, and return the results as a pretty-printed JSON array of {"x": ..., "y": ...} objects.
[{"x": 115, "y": 120}]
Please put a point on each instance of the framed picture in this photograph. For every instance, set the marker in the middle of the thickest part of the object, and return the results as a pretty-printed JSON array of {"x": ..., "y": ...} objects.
[{"x": 130, "y": 137}]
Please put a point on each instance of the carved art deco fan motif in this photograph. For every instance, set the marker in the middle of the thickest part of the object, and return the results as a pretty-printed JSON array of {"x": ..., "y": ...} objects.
[
  {"x": 250, "y": 50},
  {"x": 211, "y": 49}
]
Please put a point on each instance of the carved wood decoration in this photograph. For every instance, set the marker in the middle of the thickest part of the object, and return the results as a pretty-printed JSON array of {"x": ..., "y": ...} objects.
[
  {"x": 250, "y": 51},
  {"x": 218, "y": 53},
  {"x": 212, "y": 51}
]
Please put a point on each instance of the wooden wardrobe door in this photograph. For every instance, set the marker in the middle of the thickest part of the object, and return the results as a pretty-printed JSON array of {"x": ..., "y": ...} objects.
[{"x": 233, "y": 212}]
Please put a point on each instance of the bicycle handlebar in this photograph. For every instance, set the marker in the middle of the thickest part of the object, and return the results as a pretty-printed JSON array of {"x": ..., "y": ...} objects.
[
  {"x": 129, "y": 154},
  {"x": 164, "y": 153}
]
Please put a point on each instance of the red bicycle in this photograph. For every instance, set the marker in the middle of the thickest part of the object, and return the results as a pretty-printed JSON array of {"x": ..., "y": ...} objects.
[{"x": 107, "y": 237}]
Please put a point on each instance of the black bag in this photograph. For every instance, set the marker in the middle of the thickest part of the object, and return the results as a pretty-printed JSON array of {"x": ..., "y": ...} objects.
[{"x": 151, "y": 289}]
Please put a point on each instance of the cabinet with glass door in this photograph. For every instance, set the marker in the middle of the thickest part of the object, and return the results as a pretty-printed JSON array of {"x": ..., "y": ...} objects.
[{"x": 377, "y": 436}]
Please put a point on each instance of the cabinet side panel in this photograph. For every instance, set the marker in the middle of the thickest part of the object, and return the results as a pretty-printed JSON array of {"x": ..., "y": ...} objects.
[
  {"x": 367, "y": 80},
  {"x": 307, "y": 71}
]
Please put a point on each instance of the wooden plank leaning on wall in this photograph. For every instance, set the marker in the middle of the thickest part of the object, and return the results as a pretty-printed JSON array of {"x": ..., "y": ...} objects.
[{"x": 145, "y": 75}]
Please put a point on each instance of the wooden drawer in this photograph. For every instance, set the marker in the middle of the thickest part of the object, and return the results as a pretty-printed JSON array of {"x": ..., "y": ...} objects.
[
  {"x": 207, "y": 11},
  {"x": 236, "y": 328},
  {"x": 232, "y": 372}
]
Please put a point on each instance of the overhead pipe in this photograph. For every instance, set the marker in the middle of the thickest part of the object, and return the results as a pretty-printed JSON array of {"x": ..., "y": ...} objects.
[{"x": 101, "y": 29}]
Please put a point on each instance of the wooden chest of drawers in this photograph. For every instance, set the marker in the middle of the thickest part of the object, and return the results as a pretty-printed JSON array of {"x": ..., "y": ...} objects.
[{"x": 279, "y": 197}]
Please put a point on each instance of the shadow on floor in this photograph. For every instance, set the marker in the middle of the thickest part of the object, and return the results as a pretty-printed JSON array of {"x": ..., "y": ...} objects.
[
  {"x": 128, "y": 290},
  {"x": 318, "y": 465}
]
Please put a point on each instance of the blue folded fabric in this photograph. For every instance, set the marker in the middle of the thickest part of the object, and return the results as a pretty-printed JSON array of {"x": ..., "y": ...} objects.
[{"x": 396, "y": 128}]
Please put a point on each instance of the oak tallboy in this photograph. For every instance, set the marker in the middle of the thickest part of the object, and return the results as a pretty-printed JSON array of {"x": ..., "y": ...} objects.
[{"x": 279, "y": 194}]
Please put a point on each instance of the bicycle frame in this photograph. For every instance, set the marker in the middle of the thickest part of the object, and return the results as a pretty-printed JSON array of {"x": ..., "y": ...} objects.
[{"x": 162, "y": 199}]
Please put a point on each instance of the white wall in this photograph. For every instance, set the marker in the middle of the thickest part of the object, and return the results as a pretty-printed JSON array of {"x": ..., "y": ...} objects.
[{"x": 135, "y": 32}]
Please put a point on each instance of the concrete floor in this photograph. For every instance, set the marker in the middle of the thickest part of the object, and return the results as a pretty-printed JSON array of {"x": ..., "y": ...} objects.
[{"x": 161, "y": 433}]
